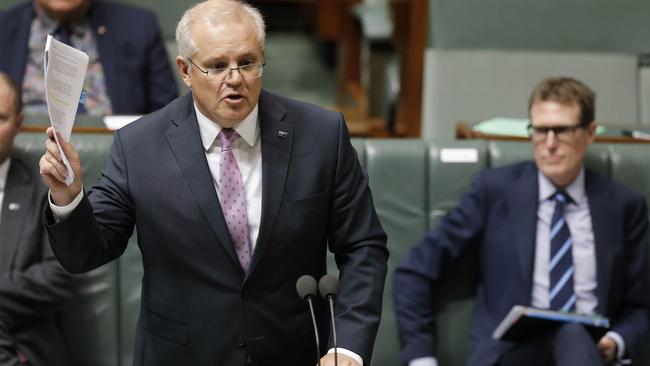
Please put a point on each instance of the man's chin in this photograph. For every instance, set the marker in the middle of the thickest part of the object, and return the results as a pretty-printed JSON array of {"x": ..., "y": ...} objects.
[{"x": 552, "y": 171}]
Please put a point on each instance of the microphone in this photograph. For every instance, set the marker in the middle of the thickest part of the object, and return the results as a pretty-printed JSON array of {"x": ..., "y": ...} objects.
[
  {"x": 306, "y": 288},
  {"x": 328, "y": 286}
]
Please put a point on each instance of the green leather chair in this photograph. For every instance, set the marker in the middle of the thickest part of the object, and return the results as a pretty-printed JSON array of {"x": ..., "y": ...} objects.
[{"x": 414, "y": 183}]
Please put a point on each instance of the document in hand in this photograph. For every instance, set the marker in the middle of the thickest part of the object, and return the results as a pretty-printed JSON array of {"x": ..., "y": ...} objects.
[
  {"x": 65, "y": 70},
  {"x": 523, "y": 322}
]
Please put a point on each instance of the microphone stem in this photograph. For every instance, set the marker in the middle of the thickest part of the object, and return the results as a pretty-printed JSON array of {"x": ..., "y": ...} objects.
[
  {"x": 331, "y": 302},
  {"x": 313, "y": 319}
]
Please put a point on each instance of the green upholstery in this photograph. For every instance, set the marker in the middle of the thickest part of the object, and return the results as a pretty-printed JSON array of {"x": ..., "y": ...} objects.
[
  {"x": 90, "y": 321},
  {"x": 414, "y": 183},
  {"x": 399, "y": 199}
]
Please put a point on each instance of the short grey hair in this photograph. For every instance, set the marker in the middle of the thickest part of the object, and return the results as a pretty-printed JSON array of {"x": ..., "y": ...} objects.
[{"x": 213, "y": 12}]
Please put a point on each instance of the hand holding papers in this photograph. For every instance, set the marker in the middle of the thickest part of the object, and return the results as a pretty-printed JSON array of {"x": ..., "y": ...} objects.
[{"x": 65, "y": 69}]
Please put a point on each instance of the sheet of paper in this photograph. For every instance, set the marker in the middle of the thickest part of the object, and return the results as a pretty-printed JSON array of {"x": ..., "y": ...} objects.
[{"x": 65, "y": 70}]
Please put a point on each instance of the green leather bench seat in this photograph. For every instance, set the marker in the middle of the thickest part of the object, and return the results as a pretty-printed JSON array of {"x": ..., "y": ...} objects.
[{"x": 414, "y": 183}]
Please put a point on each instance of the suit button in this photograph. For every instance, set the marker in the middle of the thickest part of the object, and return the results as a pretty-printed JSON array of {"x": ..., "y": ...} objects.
[
  {"x": 245, "y": 295},
  {"x": 241, "y": 342}
]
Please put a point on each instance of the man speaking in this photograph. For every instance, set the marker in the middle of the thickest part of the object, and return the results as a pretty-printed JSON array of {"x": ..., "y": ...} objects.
[{"x": 236, "y": 193}]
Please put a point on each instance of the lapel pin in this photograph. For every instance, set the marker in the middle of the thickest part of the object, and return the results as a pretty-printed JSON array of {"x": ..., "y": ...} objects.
[
  {"x": 13, "y": 206},
  {"x": 101, "y": 29},
  {"x": 283, "y": 134}
]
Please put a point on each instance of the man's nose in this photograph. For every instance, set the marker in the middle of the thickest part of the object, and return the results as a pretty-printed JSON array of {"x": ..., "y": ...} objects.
[
  {"x": 234, "y": 76},
  {"x": 551, "y": 139}
]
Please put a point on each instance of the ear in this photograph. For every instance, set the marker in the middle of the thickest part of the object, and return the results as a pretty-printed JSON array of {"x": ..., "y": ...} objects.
[
  {"x": 591, "y": 131},
  {"x": 184, "y": 71},
  {"x": 20, "y": 117}
]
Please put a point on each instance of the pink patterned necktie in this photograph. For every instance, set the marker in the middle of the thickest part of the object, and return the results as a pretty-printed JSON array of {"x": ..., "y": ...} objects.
[{"x": 233, "y": 198}]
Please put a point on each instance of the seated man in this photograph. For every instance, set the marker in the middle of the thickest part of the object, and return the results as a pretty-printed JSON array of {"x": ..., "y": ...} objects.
[
  {"x": 128, "y": 72},
  {"x": 548, "y": 234},
  {"x": 33, "y": 285}
]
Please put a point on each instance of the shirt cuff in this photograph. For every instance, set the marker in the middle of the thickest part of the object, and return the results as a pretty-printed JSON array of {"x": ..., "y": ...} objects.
[
  {"x": 423, "y": 361},
  {"x": 61, "y": 213},
  {"x": 620, "y": 343},
  {"x": 348, "y": 353}
]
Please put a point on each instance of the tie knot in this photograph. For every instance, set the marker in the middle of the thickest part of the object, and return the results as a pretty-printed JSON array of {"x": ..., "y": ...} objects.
[
  {"x": 561, "y": 197},
  {"x": 63, "y": 33},
  {"x": 227, "y": 136}
]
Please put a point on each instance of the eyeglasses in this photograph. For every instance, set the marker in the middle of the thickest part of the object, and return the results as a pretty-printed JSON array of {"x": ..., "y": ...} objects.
[
  {"x": 220, "y": 74},
  {"x": 562, "y": 133}
]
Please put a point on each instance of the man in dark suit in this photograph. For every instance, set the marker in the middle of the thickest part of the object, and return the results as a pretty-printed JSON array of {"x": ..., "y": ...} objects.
[
  {"x": 128, "y": 71},
  {"x": 33, "y": 285},
  {"x": 581, "y": 249},
  {"x": 236, "y": 193}
]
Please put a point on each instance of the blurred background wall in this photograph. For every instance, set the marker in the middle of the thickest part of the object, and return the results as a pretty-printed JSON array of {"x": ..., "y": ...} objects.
[{"x": 409, "y": 68}]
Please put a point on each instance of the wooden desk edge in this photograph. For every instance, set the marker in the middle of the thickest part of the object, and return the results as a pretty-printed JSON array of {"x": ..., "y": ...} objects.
[
  {"x": 465, "y": 132},
  {"x": 35, "y": 128}
]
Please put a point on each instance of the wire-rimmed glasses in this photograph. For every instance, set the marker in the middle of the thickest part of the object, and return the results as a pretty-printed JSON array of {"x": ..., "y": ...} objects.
[{"x": 220, "y": 74}]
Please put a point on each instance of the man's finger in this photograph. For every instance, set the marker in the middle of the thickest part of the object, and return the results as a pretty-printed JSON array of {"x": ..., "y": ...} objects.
[
  {"x": 52, "y": 148},
  {"x": 47, "y": 170}
]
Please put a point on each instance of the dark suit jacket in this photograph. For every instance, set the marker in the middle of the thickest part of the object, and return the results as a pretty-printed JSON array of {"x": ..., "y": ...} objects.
[
  {"x": 497, "y": 221},
  {"x": 33, "y": 286},
  {"x": 198, "y": 307},
  {"x": 139, "y": 78}
]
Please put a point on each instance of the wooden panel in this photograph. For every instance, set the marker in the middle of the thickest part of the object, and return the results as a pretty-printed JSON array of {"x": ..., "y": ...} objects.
[{"x": 411, "y": 25}]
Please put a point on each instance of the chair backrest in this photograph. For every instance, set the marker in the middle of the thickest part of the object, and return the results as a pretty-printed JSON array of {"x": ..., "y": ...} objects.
[{"x": 414, "y": 183}]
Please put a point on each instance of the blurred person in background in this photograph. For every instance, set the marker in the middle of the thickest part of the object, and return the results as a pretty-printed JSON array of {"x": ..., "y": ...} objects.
[
  {"x": 548, "y": 233},
  {"x": 33, "y": 285},
  {"x": 128, "y": 71}
]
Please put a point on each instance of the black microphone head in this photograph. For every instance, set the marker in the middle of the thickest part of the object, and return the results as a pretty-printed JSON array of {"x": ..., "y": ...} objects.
[
  {"x": 306, "y": 286},
  {"x": 328, "y": 286}
]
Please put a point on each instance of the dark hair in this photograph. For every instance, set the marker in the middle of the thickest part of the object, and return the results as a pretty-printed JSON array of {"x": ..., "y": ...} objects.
[
  {"x": 566, "y": 90},
  {"x": 18, "y": 101}
]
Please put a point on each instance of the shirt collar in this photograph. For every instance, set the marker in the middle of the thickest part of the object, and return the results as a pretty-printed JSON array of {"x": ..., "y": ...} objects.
[
  {"x": 47, "y": 23},
  {"x": 575, "y": 190},
  {"x": 248, "y": 129},
  {"x": 4, "y": 171}
]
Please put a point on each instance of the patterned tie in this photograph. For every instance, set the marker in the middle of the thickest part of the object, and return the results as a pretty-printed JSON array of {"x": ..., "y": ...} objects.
[
  {"x": 560, "y": 268},
  {"x": 233, "y": 198},
  {"x": 62, "y": 33}
]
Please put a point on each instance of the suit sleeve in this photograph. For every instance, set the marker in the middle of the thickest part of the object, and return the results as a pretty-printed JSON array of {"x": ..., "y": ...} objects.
[
  {"x": 8, "y": 355},
  {"x": 98, "y": 230},
  {"x": 416, "y": 278},
  {"x": 359, "y": 245},
  {"x": 634, "y": 322},
  {"x": 38, "y": 290}
]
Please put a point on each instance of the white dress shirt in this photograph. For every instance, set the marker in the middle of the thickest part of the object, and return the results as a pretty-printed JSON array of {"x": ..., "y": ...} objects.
[
  {"x": 4, "y": 172},
  {"x": 578, "y": 218},
  {"x": 583, "y": 250},
  {"x": 248, "y": 154}
]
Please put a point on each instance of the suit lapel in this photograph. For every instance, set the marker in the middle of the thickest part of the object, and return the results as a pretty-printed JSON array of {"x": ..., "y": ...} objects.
[
  {"x": 600, "y": 209},
  {"x": 109, "y": 53},
  {"x": 20, "y": 36},
  {"x": 14, "y": 208},
  {"x": 522, "y": 211},
  {"x": 277, "y": 142},
  {"x": 185, "y": 142}
]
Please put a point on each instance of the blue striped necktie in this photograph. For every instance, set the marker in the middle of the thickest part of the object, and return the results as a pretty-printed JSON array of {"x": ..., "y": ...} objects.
[{"x": 561, "y": 296}]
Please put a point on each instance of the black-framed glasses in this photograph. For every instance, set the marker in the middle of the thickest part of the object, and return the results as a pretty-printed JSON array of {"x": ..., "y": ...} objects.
[
  {"x": 562, "y": 133},
  {"x": 220, "y": 74}
]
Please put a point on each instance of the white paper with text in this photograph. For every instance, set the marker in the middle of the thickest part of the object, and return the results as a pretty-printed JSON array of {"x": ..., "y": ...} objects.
[{"x": 65, "y": 70}]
